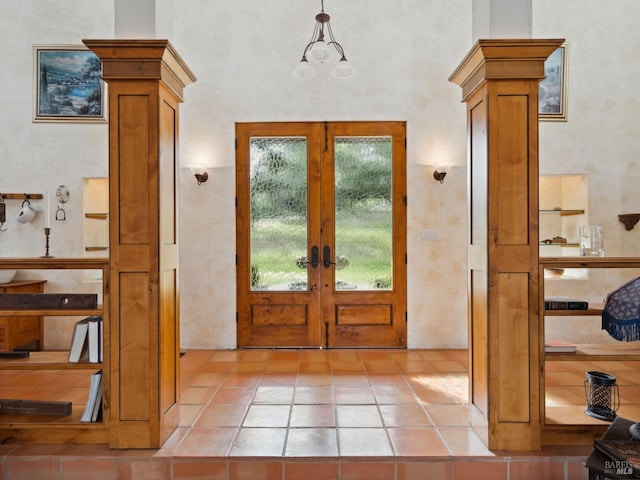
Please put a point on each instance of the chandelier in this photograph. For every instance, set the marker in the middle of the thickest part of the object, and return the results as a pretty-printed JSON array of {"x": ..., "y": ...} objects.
[{"x": 319, "y": 51}]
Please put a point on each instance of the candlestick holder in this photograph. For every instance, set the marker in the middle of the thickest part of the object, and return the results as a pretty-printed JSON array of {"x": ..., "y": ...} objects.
[{"x": 47, "y": 231}]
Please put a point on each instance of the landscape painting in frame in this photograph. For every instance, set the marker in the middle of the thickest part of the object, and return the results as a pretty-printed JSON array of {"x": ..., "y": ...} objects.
[
  {"x": 552, "y": 96},
  {"x": 68, "y": 84}
]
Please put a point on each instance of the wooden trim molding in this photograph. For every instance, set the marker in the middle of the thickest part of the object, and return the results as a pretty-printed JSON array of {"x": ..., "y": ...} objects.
[
  {"x": 503, "y": 60},
  {"x": 143, "y": 59}
]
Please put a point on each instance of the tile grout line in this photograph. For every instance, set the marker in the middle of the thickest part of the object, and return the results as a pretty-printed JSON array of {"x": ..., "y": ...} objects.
[
  {"x": 433, "y": 423},
  {"x": 244, "y": 416}
]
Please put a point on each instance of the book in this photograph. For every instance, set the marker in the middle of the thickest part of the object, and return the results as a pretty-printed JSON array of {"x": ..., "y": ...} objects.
[
  {"x": 95, "y": 339},
  {"x": 625, "y": 454},
  {"x": 78, "y": 349},
  {"x": 86, "y": 340},
  {"x": 94, "y": 399},
  {"x": 553, "y": 345},
  {"x": 96, "y": 414},
  {"x": 564, "y": 303},
  {"x": 101, "y": 333}
]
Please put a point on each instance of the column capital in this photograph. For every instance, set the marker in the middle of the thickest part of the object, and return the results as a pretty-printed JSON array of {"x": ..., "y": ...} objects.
[
  {"x": 142, "y": 59},
  {"x": 503, "y": 59}
]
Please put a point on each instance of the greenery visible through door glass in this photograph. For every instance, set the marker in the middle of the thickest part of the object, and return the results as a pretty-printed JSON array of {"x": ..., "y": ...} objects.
[
  {"x": 278, "y": 213},
  {"x": 364, "y": 214}
]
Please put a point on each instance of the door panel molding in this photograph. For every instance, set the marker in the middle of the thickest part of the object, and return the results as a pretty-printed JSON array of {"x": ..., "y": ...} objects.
[
  {"x": 279, "y": 315},
  {"x": 369, "y": 315}
]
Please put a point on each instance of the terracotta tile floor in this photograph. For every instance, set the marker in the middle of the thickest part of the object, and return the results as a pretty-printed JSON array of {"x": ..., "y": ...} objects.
[
  {"x": 325, "y": 414},
  {"x": 337, "y": 403}
]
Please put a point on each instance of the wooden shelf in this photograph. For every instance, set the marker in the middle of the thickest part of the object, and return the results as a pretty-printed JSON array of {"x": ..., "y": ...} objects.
[
  {"x": 563, "y": 213},
  {"x": 67, "y": 429},
  {"x": 72, "y": 433},
  {"x": 566, "y": 425},
  {"x": 544, "y": 244},
  {"x": 601, "y": 352},
  {"x": 56, "y": 429},
  {"x": 20, "y": 283},
  {"x": 46, "y": 360},
  {"x": 28, "y": 428},
  {"x": 38, "y": 420},
  {"x": 48, "y": 312},
  {"x": 590, "y": 262},
  {"x": 53, "y": 263},
  {"x": 569, "y": 415},
  {"x": 97, "y": 216},
  {"x": 594, "y": 309}
]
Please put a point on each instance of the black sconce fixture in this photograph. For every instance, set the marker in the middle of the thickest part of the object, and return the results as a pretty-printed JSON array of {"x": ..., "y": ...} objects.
[
  {"x": 199, "y": 171},
  {"x": 202, "y": 177},
  {"x": 440, "y": 171}
]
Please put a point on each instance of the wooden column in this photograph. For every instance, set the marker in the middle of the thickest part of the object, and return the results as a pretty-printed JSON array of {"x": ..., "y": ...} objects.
[
  {"x": 146, "y": 80},
  {"x": 499, "y": 80}
]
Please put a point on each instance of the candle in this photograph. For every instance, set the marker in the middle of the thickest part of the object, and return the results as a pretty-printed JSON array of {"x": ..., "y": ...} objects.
[{"x": 47, "y": 218}]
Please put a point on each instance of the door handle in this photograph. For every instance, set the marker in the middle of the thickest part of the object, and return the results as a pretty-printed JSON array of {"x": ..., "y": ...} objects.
[
  {"x": 314, "y": 256},
  {"x": 326, "y": 257}
]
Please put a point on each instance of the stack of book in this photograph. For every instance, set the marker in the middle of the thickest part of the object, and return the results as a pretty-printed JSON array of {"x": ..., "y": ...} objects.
[{"x": 86, "y": 341}]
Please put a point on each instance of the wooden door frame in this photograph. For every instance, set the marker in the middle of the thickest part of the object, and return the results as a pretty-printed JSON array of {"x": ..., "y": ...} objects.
[
  {"x": 381, "y": 305},
  {"x": 307, "y": 309},
  {"x": 319, "y": 333}
]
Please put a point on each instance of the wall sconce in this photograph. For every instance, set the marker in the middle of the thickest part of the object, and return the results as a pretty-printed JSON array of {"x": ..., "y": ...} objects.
[
  {"x": 199, "y": 171},
  {"x": 440, "y": 171}
]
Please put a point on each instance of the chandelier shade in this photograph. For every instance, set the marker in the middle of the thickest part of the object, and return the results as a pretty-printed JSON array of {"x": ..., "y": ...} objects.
[
  {"x": 304, "y": 71},
  {"x": 343, "y": 70},
  {"x": 318, "y": 50}
]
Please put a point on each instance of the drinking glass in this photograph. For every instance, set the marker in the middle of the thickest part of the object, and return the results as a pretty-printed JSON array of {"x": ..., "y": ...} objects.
[{"x": 591, "y": 241}]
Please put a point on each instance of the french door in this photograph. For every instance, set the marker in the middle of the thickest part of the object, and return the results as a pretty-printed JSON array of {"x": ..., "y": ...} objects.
[{"x": 321, "y": 234}]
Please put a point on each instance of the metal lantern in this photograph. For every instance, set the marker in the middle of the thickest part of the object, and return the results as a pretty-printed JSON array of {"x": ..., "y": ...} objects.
[{"x": 601, "y": 394}]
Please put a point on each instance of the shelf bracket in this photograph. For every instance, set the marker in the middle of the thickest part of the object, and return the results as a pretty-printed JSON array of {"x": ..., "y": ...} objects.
[{"x": 629, "y": 220}]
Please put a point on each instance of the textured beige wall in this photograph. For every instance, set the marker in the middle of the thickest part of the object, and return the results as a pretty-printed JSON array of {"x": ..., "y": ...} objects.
[
  {"x": 403, "y": 51},
  {"x": 599, "y": 139}
]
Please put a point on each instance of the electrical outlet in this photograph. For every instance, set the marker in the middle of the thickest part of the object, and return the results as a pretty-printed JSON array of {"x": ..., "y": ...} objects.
[{"x": 429, "y": 235}]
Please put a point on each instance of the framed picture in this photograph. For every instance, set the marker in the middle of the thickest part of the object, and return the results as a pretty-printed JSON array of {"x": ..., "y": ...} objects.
[
  {"x": 68, "y": 84},
  {"x": 552, "y": 97}
]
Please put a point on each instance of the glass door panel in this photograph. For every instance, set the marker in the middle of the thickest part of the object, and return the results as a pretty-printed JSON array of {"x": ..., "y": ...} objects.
[
  {"x": 363, "y": 213},
  {"x": 278, "y": 232}
]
